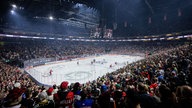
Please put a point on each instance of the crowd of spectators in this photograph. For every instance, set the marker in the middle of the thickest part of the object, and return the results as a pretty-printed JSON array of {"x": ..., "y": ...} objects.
[
  {"x": 16, "y": 50},
  {"x": 162, "y": 80}
]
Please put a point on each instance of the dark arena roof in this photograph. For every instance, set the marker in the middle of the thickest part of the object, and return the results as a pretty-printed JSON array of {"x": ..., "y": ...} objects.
[
  {"x": 95, "y": 53},
  {"x": 126, "y": 18}
]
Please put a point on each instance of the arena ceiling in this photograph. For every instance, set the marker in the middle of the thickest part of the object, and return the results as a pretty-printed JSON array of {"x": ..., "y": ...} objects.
[{"x": 125, "y": 17}]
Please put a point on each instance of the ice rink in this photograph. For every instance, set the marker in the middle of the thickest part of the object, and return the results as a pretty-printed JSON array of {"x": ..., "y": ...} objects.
[{"x": 83, "y": 72}]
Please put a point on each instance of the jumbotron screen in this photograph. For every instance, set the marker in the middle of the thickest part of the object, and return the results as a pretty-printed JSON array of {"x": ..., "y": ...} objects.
[{"x": 99, "y": 33}]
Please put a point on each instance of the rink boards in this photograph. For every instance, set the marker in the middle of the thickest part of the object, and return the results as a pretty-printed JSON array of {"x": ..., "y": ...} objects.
[{"x": 79, "y": 70}]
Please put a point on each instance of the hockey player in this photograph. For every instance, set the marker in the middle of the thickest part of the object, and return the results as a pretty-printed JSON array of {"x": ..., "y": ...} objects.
[{"x": 50, "y": 72}]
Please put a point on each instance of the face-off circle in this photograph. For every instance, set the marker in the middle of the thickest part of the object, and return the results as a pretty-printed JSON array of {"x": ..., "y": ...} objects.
[{"x": 78, "y": 75}]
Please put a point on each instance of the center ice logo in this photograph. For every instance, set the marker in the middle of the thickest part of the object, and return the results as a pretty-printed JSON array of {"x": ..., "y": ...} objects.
[{"x": 78, "y": 75}]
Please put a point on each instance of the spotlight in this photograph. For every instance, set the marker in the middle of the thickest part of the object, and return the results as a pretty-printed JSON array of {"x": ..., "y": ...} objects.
[
  {"x": 14, "y": 6},
  {"x": 21, "y": 8},
  {"x": 50, "y": 17},
  {"x": 12, "y": 12}
]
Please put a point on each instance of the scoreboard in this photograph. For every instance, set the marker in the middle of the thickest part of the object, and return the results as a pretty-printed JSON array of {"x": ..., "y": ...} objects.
[
  {"x": 99, "y": 33},
  {"x": 108, "y": 33}
]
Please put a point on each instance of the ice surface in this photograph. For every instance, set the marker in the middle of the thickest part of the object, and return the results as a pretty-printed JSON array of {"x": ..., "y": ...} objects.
[{"x": 83, "y": 72}]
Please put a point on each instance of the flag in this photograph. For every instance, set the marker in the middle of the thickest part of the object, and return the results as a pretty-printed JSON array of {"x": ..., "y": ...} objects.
[
  {"x": 125, "y": 24},
  {"x": 179, "y": 12},
  {"x": 165, "y": 17},
  {"x": 114, "y": 25},
  {"x": 149, "y": 20}
]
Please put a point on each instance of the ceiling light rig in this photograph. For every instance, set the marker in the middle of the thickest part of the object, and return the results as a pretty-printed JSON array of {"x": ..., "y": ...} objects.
[
  {"x": 14, "y": 6},
  {"x": 51, "y": 17},
  {"x": 12, "y": 12}
]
